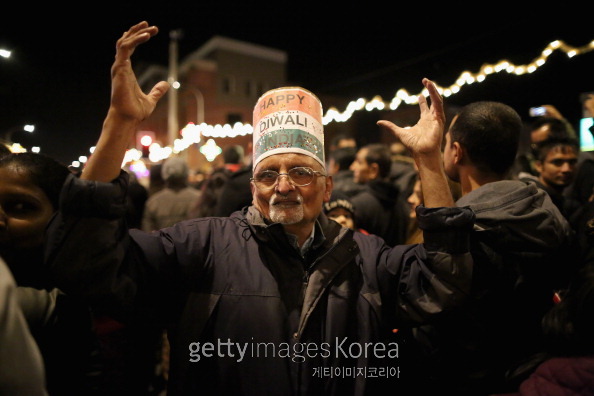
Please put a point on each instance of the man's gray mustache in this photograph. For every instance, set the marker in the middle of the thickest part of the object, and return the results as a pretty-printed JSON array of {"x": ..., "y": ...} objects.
[{"x": 275, "y": 199}]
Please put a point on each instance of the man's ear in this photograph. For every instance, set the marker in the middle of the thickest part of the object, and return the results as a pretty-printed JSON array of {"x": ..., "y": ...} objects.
[
  {"x": 329, "y": 186},
  {"x": 538, "y": 166},
  {"x": 459, "y": 153},
  {"x": 374, "y": 171}
]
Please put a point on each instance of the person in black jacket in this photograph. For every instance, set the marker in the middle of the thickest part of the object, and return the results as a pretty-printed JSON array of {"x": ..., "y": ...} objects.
[
  {"x": 235, "y": 194},
  {"x": 556, "y": 166},
  {"x": 381, "y": 207},
  {"x": 339, "y": 162},
  {"x": 522, "y": 248},
  {"x": 275, "y": 299}
]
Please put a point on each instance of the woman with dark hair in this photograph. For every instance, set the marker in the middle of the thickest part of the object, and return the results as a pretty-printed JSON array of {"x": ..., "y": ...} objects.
[{"x": 30, "y": 187}]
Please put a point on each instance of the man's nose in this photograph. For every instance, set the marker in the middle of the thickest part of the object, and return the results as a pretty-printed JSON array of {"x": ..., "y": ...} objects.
[
  {"x": 284, "y": 184},
  {"x": 566, "y": 167}
]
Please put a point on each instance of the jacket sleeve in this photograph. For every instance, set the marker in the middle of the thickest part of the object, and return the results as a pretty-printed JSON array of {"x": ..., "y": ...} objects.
[
  {"x": 91, "y": 253},
  {"x": 419, "y": 282},
  {"x": 38, "y": 306}
]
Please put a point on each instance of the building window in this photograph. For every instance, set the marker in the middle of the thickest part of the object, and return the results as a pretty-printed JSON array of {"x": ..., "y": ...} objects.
[
  {"x": 261, "y": 90},
  {"x": 232, "y": 118},
  {"x": 250, "y": 89},
  {"x": 229, "y": 85}
]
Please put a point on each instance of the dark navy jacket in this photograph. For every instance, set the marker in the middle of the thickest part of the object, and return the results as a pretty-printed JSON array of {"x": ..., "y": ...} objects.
[{"x": 246, "y": 314}]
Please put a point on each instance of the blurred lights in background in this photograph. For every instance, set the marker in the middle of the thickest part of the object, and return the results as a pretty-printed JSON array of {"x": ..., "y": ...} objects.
[
  {"x": 139, "y": 168},
  {"x": 192, "y": 133},
  {"x": 210, "y": 150}
]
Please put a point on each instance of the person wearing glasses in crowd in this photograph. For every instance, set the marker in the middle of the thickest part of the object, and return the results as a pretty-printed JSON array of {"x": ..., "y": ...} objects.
[{"x": 271, "y": 299}]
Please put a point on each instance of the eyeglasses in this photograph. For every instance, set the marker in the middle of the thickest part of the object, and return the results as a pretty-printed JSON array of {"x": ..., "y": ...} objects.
[{"x": 300, "y": 177}]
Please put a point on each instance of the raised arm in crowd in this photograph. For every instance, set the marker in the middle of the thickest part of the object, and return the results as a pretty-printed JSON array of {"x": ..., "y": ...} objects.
[{"x": 262, "y": 301}]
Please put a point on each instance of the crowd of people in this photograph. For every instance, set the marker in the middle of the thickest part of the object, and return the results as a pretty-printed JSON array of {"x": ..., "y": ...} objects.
[{"x": 456, "y": 260}]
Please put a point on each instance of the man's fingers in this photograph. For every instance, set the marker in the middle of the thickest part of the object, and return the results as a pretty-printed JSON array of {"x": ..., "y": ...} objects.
[
  {"x": 387, "y": 124},
  {"x": 137, "y": 35},
  {"x": 158, "y": 91},
  {"x": 436, "y": 99},
  {"x": 390, "y": 126},
  {"x": 423, "y": 106},
  {"x": 137, "y": 27}
]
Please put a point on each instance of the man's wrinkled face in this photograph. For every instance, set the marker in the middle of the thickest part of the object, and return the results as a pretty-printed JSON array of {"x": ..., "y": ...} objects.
[{"x": 284, "y": 202}]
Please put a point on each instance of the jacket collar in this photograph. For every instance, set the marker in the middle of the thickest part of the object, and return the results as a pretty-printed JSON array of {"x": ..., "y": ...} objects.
[{"x": 267, "y": 231}]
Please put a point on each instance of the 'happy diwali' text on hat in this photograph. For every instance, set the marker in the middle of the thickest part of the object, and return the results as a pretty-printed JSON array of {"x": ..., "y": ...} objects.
[{"x": 288, "y": 120}]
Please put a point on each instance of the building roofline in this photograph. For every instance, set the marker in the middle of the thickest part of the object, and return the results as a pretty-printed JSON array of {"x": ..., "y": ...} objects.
[{"x": 241, "y": 47}]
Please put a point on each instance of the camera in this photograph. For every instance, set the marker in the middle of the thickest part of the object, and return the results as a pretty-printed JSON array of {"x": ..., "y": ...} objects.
[{"x": 537, "y": 111}]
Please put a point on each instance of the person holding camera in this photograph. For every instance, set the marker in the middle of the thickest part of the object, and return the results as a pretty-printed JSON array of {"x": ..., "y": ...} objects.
[{"x": 547, "y": 122}]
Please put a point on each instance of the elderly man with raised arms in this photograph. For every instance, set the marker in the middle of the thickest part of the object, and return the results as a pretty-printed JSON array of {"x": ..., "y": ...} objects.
[{"x": 275, "y": 299}]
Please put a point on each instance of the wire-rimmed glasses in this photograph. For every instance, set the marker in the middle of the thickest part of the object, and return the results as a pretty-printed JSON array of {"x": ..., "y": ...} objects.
[{"x": 300, "y": 176}]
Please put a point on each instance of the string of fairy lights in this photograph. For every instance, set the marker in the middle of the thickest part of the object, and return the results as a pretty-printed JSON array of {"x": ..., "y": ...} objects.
[{"x": 193, "y": 133}]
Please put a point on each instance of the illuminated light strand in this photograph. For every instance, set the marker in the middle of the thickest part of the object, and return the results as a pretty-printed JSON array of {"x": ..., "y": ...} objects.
[
  {"x": 465, "y": 78},
  {"x": 191, "y": 133}
]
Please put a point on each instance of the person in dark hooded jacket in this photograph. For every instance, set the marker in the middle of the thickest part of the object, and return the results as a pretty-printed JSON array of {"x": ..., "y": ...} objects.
[
  {"x": 275, "y": 299},
  {"x": 521, "y": 246},
  {"x": 381, "y": 207}
]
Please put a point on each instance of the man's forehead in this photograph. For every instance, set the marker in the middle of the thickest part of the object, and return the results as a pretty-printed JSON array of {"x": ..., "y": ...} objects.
[
  {"x": 287, "y": 159},
  {"x": 562, "y": 151}
]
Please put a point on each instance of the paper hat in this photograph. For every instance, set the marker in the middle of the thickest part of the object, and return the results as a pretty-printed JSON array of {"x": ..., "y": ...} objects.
[{"x": 288, "y": 120}]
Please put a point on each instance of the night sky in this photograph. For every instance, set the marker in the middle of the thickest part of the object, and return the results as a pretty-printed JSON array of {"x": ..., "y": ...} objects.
[{"x": 58, "y": 75}]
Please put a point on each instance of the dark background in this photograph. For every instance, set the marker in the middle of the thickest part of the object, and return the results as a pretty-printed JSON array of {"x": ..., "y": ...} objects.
[{"x": 58, "y": 75}]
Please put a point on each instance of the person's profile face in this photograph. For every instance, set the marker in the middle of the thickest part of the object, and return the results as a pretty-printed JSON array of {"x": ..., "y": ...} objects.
[
  {"x": 25, "y": 210},
  {"x": 360, "y": 167},
  {"x": 284, "y": 202},
  {"x": 415, "y": 198}
]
